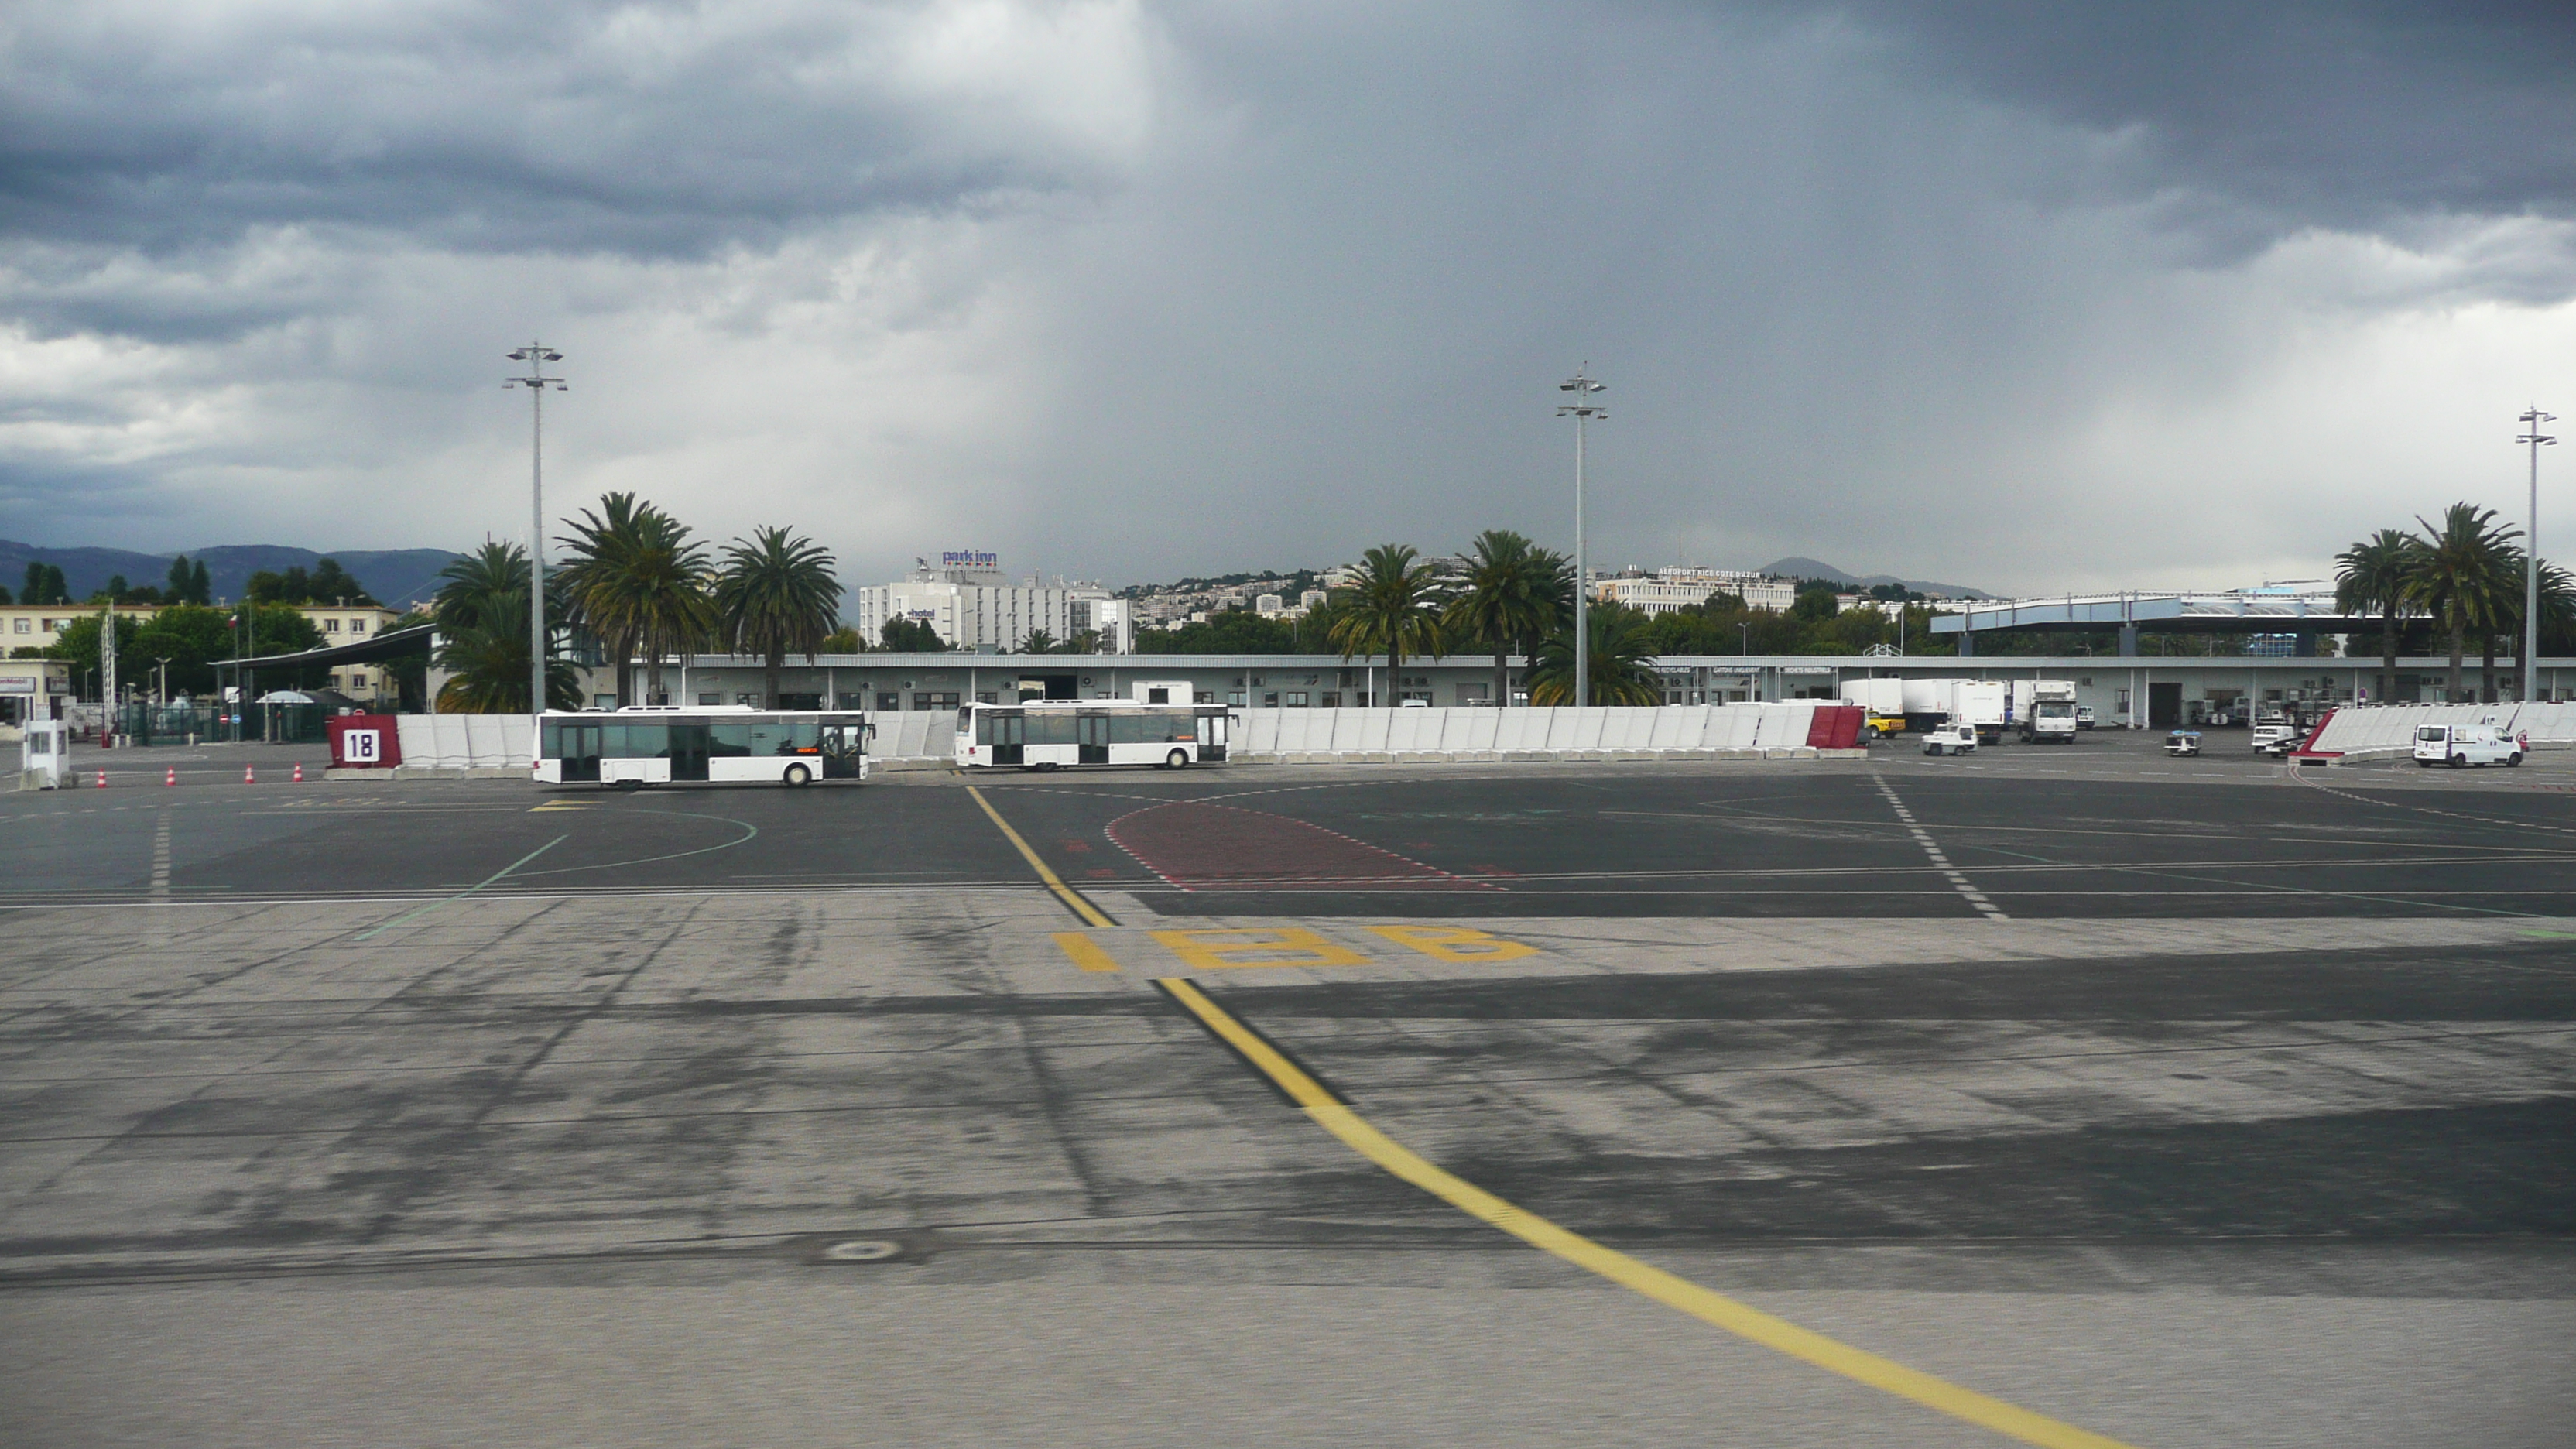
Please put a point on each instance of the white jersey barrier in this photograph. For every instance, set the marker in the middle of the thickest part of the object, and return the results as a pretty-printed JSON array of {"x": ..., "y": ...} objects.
[
  {"x": 2390, "y": 728},
  {"x": 1318, "y": 736},
  {"x": 453, "y": 744}
]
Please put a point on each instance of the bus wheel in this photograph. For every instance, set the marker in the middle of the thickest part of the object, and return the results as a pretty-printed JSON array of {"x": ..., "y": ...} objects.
[
  {"x": 630, "y": 784},
  {"x": 2459, "y": 761},
  {"x": 1177, "y": 760},
  {"x": 799, "y": 775}
]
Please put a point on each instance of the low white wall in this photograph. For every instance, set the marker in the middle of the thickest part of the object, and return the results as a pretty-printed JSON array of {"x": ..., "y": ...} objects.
[
  {"x": 2390, "y": 729},
  {"x": 1319, "y": 735},
  {"x": 466, "y": 741}
]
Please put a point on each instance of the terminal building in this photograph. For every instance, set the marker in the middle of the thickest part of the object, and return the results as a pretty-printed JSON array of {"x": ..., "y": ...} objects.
[{"x": 2147, "y": 692}]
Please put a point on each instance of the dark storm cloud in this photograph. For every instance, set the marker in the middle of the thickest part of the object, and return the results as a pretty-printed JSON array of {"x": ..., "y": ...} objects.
[
  {"x": 636, "y": 129},
  {"x": 2342, "y": 114}
]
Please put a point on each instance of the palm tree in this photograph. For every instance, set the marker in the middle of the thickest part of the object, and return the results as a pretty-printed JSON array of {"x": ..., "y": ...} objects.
[
  {"x": 776, "y": 594},
  {"x": 482, "y": 615},
  {"x": 2459, "y": 577},
  {"x": 637, "y": 581},
  {"x": 1393, "y": 608},
  {"x": 1506, "y": 594},
  {"x": 2376, "y": 575},
  {"x": 2557, "y": 608},
  {"x": 1038, "y": 642},
  {"x": 1621, "y": 664}
]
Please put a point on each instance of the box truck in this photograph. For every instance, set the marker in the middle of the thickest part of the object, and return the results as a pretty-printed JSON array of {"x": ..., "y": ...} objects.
[
  {"x": 2044, "y": 710},
  {"x": 1976, "y": 703},
  {"x": 1882, "y": 702}
]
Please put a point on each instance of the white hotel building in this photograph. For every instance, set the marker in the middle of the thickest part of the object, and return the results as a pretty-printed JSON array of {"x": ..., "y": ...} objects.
[
  {"x": 1671, "y": 590},
  {"x": 972, "y": 605}
]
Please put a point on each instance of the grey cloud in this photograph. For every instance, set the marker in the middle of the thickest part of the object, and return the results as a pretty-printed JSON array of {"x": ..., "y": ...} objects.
[{"x": 485, "y": 126}]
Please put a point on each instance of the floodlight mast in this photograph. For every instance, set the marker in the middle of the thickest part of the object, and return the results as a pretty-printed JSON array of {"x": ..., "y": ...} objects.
[
  {"x": 2535, "y": 440},
  {"x": 536, "y": 355},
  {"x": 1583, "y": 410}
]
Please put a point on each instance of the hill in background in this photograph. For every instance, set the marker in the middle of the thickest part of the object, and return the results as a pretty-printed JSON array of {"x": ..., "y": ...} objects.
[
  {"x": 1808, "y": 568},
  {"x": 396, "y": 576}
]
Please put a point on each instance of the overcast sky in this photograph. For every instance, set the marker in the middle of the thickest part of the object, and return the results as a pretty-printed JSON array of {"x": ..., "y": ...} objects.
[{"x": 2028, "y": 296}]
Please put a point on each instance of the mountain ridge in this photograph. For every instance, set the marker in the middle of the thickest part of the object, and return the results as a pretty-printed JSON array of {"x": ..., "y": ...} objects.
[
  {"x": 397, "y": 576},
  {"x": 1796, "y": 567}
]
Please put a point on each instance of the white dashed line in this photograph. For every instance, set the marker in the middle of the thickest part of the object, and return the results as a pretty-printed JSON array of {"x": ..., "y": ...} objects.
[{"x": 1932, "y": 849}]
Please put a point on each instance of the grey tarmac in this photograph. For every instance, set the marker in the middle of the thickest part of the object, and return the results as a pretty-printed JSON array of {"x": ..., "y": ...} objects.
[{"x": 2249, "y": 1121}]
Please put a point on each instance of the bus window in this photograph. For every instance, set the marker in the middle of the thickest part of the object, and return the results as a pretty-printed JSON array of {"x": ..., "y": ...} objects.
[
  {"x": 1176, "y": 726},
  {"x": 998, "y": 727},
  {"x": 1050, "y": 727},
  {"x": 1138, "y": 728},
  {"x": 803, "y": 737},
  {"x": 728, "y": 739},
  {"x": 635, "y": 741}
]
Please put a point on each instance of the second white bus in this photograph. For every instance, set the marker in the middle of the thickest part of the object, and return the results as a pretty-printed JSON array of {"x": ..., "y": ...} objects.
[{"x": 1049, "y": 735}]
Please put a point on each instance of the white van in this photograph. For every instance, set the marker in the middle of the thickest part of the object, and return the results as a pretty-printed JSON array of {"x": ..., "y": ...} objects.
[
  {"x": 2464, "y": 745},
  {"x": 2275, "y": 739},
  {"x": 1951, "y": 739}
]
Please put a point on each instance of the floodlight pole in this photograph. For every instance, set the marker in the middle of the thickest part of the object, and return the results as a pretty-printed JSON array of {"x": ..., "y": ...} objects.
[
  {"x": 2535, "y": 440},
  {"x": 536, "y": 355},
  {"x": 1583, "y": 410}
]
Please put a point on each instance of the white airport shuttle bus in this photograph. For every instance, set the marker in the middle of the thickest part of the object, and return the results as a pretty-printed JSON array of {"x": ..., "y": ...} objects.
[
  {"x": 1050, "y": 734},
  {"x": 720, "y": 744}
]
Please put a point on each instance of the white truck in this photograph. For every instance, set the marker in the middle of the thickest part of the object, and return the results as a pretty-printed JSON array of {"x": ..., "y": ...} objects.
[
  {"x": 2044, "y": 710},
  {"x": 1976, "y": 703},
  {"x": 2462, "y": 745},
  {"x": 1882, "y": 701}
]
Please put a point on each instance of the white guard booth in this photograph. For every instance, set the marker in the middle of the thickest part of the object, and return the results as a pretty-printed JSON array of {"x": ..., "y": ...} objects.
[{"x": 45, "y": 758}]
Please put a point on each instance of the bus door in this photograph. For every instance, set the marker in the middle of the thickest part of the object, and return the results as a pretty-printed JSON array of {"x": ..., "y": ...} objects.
[
  {"x": 1091, "y": 739},
  {"x": 843, "y": 745},
  {"x": 1212, "y": 736},
  {"x": 1009, "y": 735},
  {"x": 688, "y": 751},
  {"x": 577, "y": 746}
]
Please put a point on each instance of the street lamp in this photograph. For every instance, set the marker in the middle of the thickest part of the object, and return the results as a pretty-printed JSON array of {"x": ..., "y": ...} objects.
[
  {"x": 536, "y": 355},
  {"x": 2533, "y": 437},
  {"x": 1583, "y": 410}
]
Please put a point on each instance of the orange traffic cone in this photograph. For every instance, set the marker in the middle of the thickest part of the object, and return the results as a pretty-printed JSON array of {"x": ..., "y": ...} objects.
[
  {"x": 173, "y": 778},
  {"x": 246, "y": 774},
  {"x": 299, "y": 772},
  {"x": 102, "y": 779}
]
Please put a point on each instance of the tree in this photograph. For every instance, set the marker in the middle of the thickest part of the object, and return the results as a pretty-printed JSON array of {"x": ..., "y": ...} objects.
[
  {"x": 44, "y": 585},
  {"x": 844, "y": 640},
  {"x": 911, "y": 636},
  {"x": 637, "y": 581},
  {"x": 1815, "y": 604},
  {"x": 33, "y": 590},
  {"x": 332, "y": 584},
  {"x": 2375, "y": 575},
  {"x": 1506, "y": 594},
  {"x": 1620, "y": 665},
  {"x": 2459, "y": 577},
  {"x": 1393, "y": 608},
  {"x": 200, "y": 588},
  {"x": 192, "y": 637},
  {"x": 1038, "y": 642},
  {"x": 77, "y": 645},
  {"x": 179, "y": 580},
  {"x": 482, "y": 614},
  {"x": 1228, "y": 631},
  {"x": 774, "y": 595}
]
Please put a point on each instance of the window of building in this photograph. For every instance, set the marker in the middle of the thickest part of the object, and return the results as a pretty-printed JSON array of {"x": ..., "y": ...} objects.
[
  {"x": 1270, "y": 700},
  {"x": 603, "y": 701},
  {"x": 710, "y": 697},
  {"x": 987, "y": 697},
  {"x": 1203, "y": 696},
  {"x": 749, "y": 698},
  {"x": 929, "y": 700},
  {"x": 357, "y": 626},
  {"x": 22, "y": 625},
  {"x": 330, "y": 626},
  {"x": 1234, "y": 697},
  {"x": 888, "y": 700},
  {"x": 1332, "y": 699},
  {"x": 1296, "y": 699}
]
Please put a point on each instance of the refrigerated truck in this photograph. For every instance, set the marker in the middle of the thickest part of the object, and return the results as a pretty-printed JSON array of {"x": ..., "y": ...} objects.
[
  {"x": 1882, "y": 702},
  {"x": 1976, "y": 703},
  {"x": 2043, "y": 710}
]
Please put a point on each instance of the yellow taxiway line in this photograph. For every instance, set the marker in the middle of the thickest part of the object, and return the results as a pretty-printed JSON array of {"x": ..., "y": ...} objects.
[
  {"x": 1090, "y": 914},
  {"x": 1737, "y": 1318}
]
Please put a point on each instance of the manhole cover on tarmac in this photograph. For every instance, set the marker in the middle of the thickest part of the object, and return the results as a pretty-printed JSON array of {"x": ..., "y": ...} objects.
[{"x": 861, "y": 1250}]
